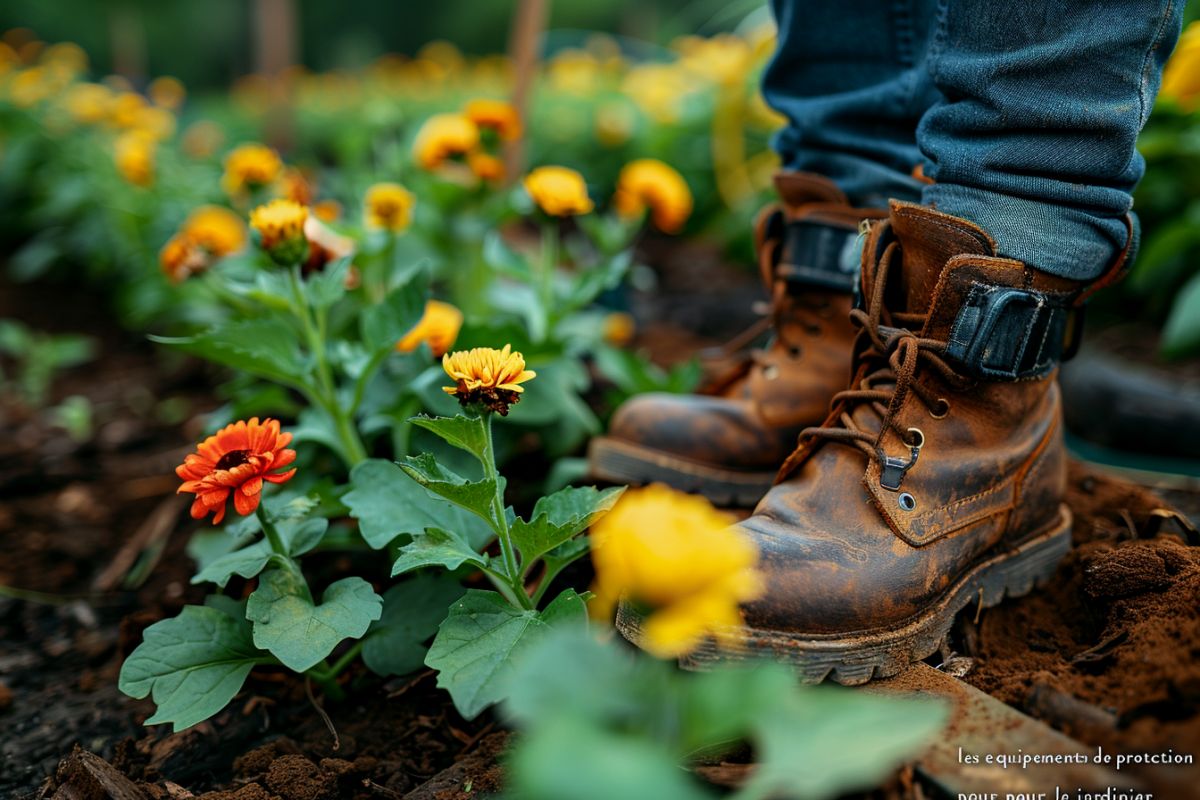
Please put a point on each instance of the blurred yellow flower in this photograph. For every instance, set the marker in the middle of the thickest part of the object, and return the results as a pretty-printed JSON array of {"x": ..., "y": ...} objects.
[
  {"x": 438, "y": 328},
  {"x": 126, "y": 109},
  {"x": 216, "y": 229},
  {"x": 1181, "y": 78},
  {"x": 202, "y": 138},
  {"x": 134, "y": 156},
  {"x": 30, "y": 87},
  {"x": 443, "y": 137},
  {"x": 558, "y": 191},
  {"x": 724, "y": 59},
  {"x": 158, "y": 123},
  {"x": 88, "y": 103},
  {"x": 167, "y": 92},
  {"x": 678, "y": 558},
  {"x": 389, "y": 206},
  {"x": 249, "y": 167},
  {"x": 487, "y": 377},
  {"x": 649, "y": 183},
  {"x": 327, "y": 210},
  {"x": 485, "y": 166},
  {"x": 181, "y": 257},
  {"x": 615, "y": 123},
  {"x": 574, "y": 71},
  {"x": 293, "y": 185},
  {"x": 494, "y": 115},
  {"x": 618, "y": 328},
  {"x": 66, "y": 56},
  {"x": 280, "y": 228},
  {"x": 658, "y": 90}
]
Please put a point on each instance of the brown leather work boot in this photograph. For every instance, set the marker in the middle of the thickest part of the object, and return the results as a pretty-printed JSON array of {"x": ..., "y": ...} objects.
[
  {"x": 936, "y": 482},
  {"x": 727, "y": 441}
]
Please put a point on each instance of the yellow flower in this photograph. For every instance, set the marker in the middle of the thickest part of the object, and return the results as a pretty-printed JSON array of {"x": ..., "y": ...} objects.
[
  {"x": 658, "y": 90},
  {"x": 327, "y": 210},
  {"x": 485, "y": 166},
  {"x": 181, "y": 257},
  {"x": 157, "y": 123},
  {"x": 293, "y": 185},
  {"x": 1181, "y": 78},
  {"x": 724, "y": 59},
  {"x": 618, "y": 328},
  {"x": 487, "y": 377},
  {"x": 167, "y": 92},
  {"x": 676, "y": 556},
  {"x": 218, "y": 230},
  {"x": 250, "y": 167},
  {"x": 202, "y": 138},
  {"x": 30, "y": 87},
  {"x": 494, "y": 115},
  {"x": 558, "y": 191},
  {"x": 438, "y": 328},
  {"x": 134, "y": 156},
  {"x": 126, "y": 109},
  {"x": 389, "y": 206},
  {"x": 88, "y": 103},
  {"x": 443, "y": 137},
  {"x": 280, "y": 228},
  {"x": 649, "y": 183}
]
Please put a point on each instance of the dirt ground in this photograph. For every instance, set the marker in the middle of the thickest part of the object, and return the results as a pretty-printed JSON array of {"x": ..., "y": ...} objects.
[{"x": 1109, "y": 652}]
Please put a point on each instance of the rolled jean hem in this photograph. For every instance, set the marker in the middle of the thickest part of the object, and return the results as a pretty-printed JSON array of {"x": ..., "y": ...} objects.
[{"x": 1063, "y": 241}]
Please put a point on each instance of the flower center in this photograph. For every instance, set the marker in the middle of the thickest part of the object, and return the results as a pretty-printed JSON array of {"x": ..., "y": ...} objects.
[{"x": 234, "y": 458}]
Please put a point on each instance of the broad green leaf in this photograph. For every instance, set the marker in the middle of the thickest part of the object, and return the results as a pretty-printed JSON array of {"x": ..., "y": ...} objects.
[
  {"x": 476, "y": 645},
  {"x": 826, "y": 742},
  {"x": 386, "y": 503},
  {"x": 567, "y": 757},
  {"x": 298, "y": 535},
  {"x": 502, "y": 258},
  {"x": 559, "y": 517},
  {"x": 1181, "y": 334},
  {"x": 385, "y": 323},
  {"x": 465, "y": 433},
  {"x": 597, "y": 279},
  {"x": 475, "y": 496},
  {"x": 437, "y": 548},
  {"x": 412, "y": 610},
  {"x": 264, "y": 347},
  {"x": 327, "y": 286},
  {"x": 191, "y": 665},
  {"x": 299, "y": 633}
]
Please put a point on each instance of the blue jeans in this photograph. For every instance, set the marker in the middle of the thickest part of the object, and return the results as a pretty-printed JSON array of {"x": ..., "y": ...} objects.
[{"x": 1025, "y": 115}]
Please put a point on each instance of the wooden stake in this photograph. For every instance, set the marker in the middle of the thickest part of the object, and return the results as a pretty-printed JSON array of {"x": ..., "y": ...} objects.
[{"x": 524, "y": 48}]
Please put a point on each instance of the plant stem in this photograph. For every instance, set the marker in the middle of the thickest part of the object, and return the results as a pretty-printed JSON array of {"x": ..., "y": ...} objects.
[
  {"x": 501, "y": 519},
  {"x": 546, "y": 267},
  {"x": 271, "y": 532}
]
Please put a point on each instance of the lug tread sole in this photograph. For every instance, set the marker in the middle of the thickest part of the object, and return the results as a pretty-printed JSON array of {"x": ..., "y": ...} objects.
[{"x": 623, "y": 462}]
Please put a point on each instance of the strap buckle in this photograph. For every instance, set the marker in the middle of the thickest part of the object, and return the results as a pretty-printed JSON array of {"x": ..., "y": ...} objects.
[
  {"x": 820, "y": 256},
  {"x": 1005, "y": 333}
]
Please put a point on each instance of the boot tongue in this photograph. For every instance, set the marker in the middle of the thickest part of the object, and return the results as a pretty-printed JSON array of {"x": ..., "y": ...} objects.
[
  {"x": 797, "y": 189},
  {"x": 928, "y": 239}
]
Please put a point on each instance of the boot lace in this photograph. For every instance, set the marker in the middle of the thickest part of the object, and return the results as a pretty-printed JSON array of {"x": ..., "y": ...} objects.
[{"x": 888, "y": 358}]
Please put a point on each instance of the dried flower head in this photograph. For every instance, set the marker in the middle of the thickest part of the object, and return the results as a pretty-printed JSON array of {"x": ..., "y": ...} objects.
[
  {"x": 558, "y": 191},
  {"x": 650, "y": 184},
  {"x": 496, "y": 116},
  {"x": 487, "y": 378},
  {"x": 280, "y": 228},
  {"x": 678, "y": 558},
  {"x": 235, "y": 462},
  {"x": 218, "y": 230},
  {"x": 438, "y": 328},
  {"x": 250, "y": 167},
  {"x": 443, "y": 137},
  {"x": 389, "y": 206}
]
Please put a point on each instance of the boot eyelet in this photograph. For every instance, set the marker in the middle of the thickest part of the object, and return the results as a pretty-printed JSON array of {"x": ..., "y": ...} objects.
[
  {"x": 917, "y": 437},
  {"x": 770, "y": 372},
  {"x": 943, "y": 409},
  {"x": 907, "y": 501}
]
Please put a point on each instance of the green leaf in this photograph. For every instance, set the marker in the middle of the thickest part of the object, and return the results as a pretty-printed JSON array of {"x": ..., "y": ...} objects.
[
  {"x": 474, "y": 496},
  {"x": 502, "y": 258},
  {"x": 299, "y": 633},
  {"x": 546, "y": 764},
  {"x": 1181, "y": 334},
  {"x": 476, "y": 645},
  {"x": 465, "y": 433},
  {"x": 327, "y": 286},
  {"x": 386, "y": 503},
  {"x": 264, "y": 347},
  {"x": 299, "y": 536},
  {"x": 191, "y": 665},
  {"x": 412, "y": 610},
  {"x": 437, "y": 548},
  {"x": 820, "y": 743},
  {"x": 559, "y": 517},
  {"x": 385, "y": 323},
  {"x": 600, "y": 278}
]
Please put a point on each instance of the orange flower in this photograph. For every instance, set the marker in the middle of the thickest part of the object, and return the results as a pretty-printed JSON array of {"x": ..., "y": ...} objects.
[
  {"x": 495, "y": 115},
  {"x": 444, "y": 137},
  {"x": 649, "y": 183},
  {"x": 485, "y": 166},
  {"x": 438, "y": 328},
  {"x": 182, "y": 257},
  {"x": 235, "y": 462},
  {"x": 558, "y": 191}
]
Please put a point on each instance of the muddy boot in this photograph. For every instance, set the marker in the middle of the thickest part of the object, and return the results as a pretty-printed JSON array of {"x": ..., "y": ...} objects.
[
  {"x": 936, "y": 482},
  {"x": 727, "y": 441}
]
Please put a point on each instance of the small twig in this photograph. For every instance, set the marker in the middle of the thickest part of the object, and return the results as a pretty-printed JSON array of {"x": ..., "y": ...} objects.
[
  {"x": 979, "y": 608},
  {"x": 337, "y": 742},
  {"x": 403, "y": 689},
  {"x": 474, "y": 740},
  {"x": 378, "y": 789}
]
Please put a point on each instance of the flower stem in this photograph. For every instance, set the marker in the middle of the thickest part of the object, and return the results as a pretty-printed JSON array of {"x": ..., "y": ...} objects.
[
  {"x": 508, "y": 553},
  {"x": 271, "y": 532},
  {"x": 546, "y": 267}
]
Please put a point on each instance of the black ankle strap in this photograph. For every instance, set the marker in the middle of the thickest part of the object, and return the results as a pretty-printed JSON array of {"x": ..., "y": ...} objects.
[
  {"x": 1004, "y": 333},
  {"x": 817, "y": 255}
]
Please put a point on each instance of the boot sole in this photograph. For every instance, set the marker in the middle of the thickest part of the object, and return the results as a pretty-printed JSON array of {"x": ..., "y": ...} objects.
[
  {"x": 621, "y": 462},
  {"x": 853, "y": 659}
]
